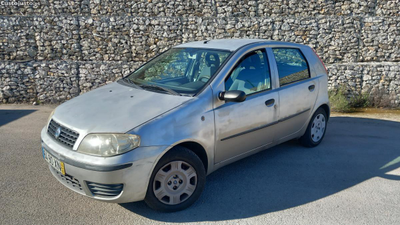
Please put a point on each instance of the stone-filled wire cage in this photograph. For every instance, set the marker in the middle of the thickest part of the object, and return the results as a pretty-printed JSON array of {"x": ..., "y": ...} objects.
[{"x": 52, "y": 51}]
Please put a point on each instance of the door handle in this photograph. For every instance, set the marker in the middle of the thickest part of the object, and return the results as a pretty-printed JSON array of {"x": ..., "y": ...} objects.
[
  {"x": 311, "y": 87},
  {"x": 270, "y": 102}
]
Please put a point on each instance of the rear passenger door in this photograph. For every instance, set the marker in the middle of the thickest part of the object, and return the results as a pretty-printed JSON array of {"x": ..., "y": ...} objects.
[{"x": 297, "y": 91}]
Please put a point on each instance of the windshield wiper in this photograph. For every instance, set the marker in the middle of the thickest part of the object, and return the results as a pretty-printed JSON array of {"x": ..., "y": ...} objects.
[
  {"x": 129, "y": 81},
  {"x": 160, "y": 88}
]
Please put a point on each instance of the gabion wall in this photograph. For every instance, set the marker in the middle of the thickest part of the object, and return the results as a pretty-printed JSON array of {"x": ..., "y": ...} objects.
[{"x": 51, "y": 51}]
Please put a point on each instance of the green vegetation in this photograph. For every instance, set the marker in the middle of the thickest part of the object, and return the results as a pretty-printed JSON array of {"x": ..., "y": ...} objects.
[
  {"x": 342, "y": 102},
  {"x": 339, "y": 101}
]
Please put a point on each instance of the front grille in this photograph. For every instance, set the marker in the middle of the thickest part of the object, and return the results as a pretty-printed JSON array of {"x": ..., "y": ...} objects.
[
  {"x": 105, "y": 190},
  {"x": 67, "y": 136}
]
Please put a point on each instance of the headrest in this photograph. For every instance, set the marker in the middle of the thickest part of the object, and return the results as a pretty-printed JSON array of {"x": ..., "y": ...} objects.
[
  {"x": 212, "y": 59},
  {"x": 252, "y": 60}
]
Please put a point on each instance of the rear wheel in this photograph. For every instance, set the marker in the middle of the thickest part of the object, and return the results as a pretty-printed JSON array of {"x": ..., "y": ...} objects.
[
  {"x": 176, "y": 182},
  {"x": 316, "y": 129}
]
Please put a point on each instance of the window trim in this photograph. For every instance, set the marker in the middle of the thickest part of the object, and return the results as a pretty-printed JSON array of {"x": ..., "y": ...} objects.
[
  {"x": 277, "y": 70},
  {"x": 240, "y": 61}
]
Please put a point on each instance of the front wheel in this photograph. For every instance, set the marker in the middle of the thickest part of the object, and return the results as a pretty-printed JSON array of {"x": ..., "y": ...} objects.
[
  {"x": 316, "y": 129},
  {"x": 176, "y": 182}
]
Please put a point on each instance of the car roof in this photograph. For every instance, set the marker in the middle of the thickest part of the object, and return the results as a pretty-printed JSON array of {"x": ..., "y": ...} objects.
[{"x": 230, "y": 44}]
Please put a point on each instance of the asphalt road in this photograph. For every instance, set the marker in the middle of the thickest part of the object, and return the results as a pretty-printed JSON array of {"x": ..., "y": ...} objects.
[{"x": 353, "y": 177}]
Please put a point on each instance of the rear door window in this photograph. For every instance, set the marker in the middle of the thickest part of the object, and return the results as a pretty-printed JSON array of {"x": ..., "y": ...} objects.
[{"x": 292, "y": 65}]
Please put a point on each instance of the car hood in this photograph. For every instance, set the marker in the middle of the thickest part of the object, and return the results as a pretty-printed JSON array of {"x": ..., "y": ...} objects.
[{"x": 114, "y": 108}]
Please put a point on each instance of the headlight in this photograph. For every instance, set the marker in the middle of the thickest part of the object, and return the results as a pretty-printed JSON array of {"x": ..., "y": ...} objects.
[{"x": 108, "y": 144}]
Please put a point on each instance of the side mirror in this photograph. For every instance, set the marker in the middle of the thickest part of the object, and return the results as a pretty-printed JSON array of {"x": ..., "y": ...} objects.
[{"x": 232, "y": 96}]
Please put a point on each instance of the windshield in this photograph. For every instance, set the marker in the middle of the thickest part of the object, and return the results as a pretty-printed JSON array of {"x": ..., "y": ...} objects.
[{"x": 182, "y": 71}]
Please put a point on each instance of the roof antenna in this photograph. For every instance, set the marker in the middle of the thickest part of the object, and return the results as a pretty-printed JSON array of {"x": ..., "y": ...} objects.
[{"x": 205, "y": 42}]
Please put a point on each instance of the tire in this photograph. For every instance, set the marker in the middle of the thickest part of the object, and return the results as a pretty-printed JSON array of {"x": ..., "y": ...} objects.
[
  {"x": 316, "y": 129},
  {"x": 176, "y": 182}
]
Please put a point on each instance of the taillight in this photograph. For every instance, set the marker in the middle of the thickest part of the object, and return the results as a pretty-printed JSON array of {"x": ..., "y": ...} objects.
[{"x": 320, "y": 60}]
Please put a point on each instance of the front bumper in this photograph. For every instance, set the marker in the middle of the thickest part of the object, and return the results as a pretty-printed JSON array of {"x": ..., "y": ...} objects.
[{"x": 126, "y": 175}]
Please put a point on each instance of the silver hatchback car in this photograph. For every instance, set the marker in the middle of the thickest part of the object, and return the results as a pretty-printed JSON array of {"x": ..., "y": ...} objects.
[{"x": 155, "y": 134}]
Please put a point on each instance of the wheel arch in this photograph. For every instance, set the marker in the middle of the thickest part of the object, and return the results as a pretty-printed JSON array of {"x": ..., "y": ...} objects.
[
  {"x": 198, "y": 149},
  {"x": 326, "y": 108}
]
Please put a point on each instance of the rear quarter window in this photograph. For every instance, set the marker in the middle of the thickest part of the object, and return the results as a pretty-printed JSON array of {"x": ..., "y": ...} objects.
[{"x": 292, "y": 65}]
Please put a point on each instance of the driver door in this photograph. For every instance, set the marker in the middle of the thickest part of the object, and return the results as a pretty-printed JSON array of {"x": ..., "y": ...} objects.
[{"x": 242, "y": 127}]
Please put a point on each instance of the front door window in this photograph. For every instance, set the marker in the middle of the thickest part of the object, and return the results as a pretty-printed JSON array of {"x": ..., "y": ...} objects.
[{"x": 251, "y": 75}]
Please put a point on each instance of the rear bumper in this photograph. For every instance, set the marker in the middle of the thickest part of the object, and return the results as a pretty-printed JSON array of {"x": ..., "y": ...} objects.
[{"x": 119, "y": 179}]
